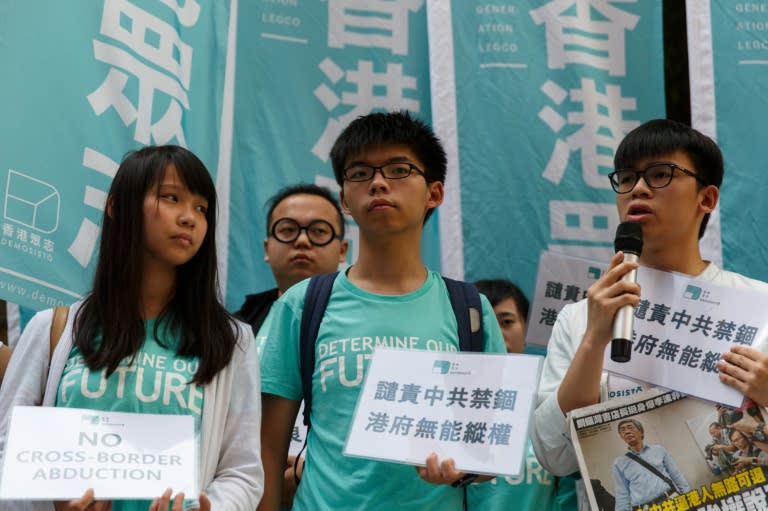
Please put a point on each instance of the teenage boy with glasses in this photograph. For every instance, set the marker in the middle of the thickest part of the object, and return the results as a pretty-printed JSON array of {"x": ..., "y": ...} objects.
[
  {"x": 391, "y": 168},
  {"x": 681, "y": 171}
]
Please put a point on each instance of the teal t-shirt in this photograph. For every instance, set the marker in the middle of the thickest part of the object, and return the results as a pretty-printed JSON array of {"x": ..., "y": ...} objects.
[
  {"x": 534, "y": 489},
  {"x": 156, "y": 382},
  {"x": 261, "y": 336},
  {"x": 355, "y": 322}
]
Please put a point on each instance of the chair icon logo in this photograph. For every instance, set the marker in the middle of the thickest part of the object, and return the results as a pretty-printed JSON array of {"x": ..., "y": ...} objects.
[{"x": 31, "y": 202}]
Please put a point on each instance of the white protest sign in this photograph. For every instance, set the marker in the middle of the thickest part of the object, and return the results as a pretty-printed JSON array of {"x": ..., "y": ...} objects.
[
  {"x": 682, "y": 326},
  {"x": 298, "y": 434},
  {"x": 560, "y": 280},
  {"x": 472, "y": 407},
  {"x": 58, "y": 453}
]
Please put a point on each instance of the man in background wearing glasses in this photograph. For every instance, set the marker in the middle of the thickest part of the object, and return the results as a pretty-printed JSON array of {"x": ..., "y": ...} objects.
[
  {"x": 305, "y": 237},
  {"x": 667, "y": 178}
]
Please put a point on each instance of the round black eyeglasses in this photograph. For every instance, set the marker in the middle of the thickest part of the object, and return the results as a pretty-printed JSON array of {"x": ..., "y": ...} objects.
[{"x": 288, "y": 230}]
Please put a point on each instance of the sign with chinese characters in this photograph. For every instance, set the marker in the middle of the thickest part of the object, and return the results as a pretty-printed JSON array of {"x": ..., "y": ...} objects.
[
  {"x": 298, "y": 433},
  {"x": 471, "y": 407},
  {"x": 546, "y": 89},
  {"x": 682, "y": 326},
  {"x": 728, "y": 63},
  {"x": 132, "y": 73},
  {"x": 58, "y": 453},
  {"x": 561, "y": 280}
]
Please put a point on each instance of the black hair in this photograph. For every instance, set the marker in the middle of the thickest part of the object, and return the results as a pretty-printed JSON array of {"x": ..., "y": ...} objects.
[
  {"x": 661, "y": 137},
  {"x": 112, "y": 310},
  {"x": 498, "y": 290},
  {"x": 304, "y": 189},
  {"x": 390, "y": 128}
]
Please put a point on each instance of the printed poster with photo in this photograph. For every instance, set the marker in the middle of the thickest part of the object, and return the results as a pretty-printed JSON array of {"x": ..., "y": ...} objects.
[{"x": 695, "y": 454}]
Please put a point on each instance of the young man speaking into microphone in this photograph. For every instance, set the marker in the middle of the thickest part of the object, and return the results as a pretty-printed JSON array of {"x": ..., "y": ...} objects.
[{"x": 667, "y": 178}]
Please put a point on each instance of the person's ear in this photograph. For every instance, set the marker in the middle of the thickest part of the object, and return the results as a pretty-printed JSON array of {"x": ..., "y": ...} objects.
[
  {"x": 709, "y": 196},
  {"x": 343, "y": 248},
  {"x": 436, "y": 194},
  {"x": 343, "y": 201},
  {"x": 109, "y": 205}
]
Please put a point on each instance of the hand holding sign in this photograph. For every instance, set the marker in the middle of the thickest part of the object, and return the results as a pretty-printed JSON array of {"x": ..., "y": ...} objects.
[
  {"x": 162, "y": 502},
  {"x": 85, "y": 503},
  {"x": 88, "y": 503},
  {"x": 746, "y": 370},
  {"x": 439, "y": 472}
]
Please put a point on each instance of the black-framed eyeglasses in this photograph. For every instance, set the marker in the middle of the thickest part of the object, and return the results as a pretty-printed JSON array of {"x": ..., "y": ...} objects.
[
  {"x": 360, "y": 172},
  {"x": 288, "y": 230},
  {"x": 655, "y": 175}
]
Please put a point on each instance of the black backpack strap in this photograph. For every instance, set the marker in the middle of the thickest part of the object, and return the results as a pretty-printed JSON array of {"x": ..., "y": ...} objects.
[
  {"x": 465, "y": 300},
  {"x": 315, "y": 302}
]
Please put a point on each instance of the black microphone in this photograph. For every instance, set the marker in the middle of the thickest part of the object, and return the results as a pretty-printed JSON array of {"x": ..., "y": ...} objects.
[{"x": 629, "y": 239}]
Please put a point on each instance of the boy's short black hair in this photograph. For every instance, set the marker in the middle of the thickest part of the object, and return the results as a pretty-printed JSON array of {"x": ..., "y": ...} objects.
[
  {"x": 661, "y": 137},
  {"x": 304, "y": 189},
  {"x": 498, "y": 290},
  {"x": 389, "y": 128}
]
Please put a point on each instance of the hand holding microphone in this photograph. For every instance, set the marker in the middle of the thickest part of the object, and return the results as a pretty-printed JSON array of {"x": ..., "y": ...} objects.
[{"x": 629, "y": 240}]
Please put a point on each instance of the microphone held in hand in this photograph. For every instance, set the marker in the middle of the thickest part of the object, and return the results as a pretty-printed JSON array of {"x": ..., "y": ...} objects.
[{"x": 629, "y": 239}]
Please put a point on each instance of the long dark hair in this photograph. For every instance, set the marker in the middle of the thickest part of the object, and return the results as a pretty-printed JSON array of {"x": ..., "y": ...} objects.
[{"x": 112, "y": 310}]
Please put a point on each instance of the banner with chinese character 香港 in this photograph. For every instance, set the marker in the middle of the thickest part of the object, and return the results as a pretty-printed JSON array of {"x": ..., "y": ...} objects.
[
  {"x": 728, "y": 60},
  {"x": 534, "y": 97},
  {"x": 83, "y": 84},
  {"x": 304, "y": 71}
]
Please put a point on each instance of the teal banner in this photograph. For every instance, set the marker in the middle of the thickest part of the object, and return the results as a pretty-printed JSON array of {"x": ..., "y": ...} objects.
[
  {"x": 258, "y": 90},
  {"x": 544, "y": 92},
  {"x": 304, "y": 71},
  {"x": 84, "y": 83},
  {"x": 728, "y": 44}
]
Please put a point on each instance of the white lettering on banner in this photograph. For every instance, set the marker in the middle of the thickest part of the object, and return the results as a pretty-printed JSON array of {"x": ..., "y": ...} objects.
[
  {"x": 83, "y": 246},
  {"x": 583, "y": 39},
  {"x": 751, "y": 7},
  {"x": 583, "y": 221},
  {"x": 375, "y": 23},
  {"x": 495, "y": 9},
  {"x": 382, "y": 90},
  {"x": 158, "y": 43},
  {"x": 602, "y": 126},
  {"x": 379, "y": 24},
  {"x": 168, "y": 52},
  {"x": 589, "y": 118},
  {"x": 188, "y": 14}
]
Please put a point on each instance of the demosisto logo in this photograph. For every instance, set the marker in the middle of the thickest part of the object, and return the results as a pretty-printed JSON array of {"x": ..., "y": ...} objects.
[
  {"x": 90, "y": 419},
  {"x": 696, "y": 293},
  {"x": 447, "y": 367},
  {"x": 441, "y": 367},
  {"x": 96, "y": 420},
  {"x": 692, "y": 292}
]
